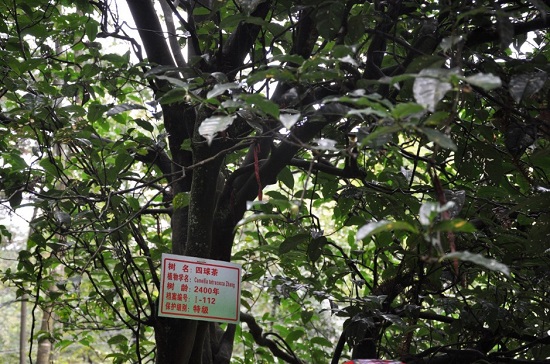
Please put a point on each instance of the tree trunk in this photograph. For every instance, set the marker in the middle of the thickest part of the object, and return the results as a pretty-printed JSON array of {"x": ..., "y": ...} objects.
[
  {"x": 23, "y": 331},
  {"x": 44, "y": 351}
]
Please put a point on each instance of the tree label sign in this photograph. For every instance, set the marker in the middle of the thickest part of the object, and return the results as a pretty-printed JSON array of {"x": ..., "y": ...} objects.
[{"x": 200, "y": 289}]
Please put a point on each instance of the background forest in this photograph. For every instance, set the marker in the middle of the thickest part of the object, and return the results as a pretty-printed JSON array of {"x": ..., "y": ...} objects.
[{"x": 379, "y": 168}]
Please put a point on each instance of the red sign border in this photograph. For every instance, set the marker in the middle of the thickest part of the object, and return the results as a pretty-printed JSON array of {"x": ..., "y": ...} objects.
[{"x": 208, "y": 262}]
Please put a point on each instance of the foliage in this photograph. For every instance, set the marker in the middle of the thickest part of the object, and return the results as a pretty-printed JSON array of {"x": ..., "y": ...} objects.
[{"x": 379, "y": 168}]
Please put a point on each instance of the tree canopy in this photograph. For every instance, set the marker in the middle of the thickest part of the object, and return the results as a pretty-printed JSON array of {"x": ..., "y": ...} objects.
[{"x": 379, "y": 168}]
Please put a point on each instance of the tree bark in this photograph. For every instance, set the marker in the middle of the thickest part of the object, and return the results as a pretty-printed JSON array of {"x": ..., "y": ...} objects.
[
  {"x": 43, "y": 354},
  {"x": 23, "y": 330}
]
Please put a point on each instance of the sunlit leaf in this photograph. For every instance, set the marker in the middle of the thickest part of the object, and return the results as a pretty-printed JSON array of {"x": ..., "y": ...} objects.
[
  {"x": 541, "y": 6},
  {"x": 325, "y": 144},
  {"x": 288, "y": 120},
  {"x": 215, "y": 124},
  {"x": 479, "y": 259},
  {"x": 430, "y": 87},
  {"x": 430, "y": 210},
  {"x": 375, "y": 227},
  {"x": 486, "y": 81},
  {"x": 449, "y": 42},
  {"x": 221, "y": 88}
]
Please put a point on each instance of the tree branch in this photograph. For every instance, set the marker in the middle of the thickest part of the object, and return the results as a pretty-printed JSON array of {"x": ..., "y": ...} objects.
[
  {"x": 157, "y": 157},
  {"x": 233, "y": 53},
  {"x": 167, "y": 6},
  {"x": 194, "y": 47},
  {"x": 150, "y": 32},
  {"x": 483, "y": 35},
  {"x": 261, "y": 339},
  {"x": 377, "y": 47},
  {"x": 326, "y": 167}
]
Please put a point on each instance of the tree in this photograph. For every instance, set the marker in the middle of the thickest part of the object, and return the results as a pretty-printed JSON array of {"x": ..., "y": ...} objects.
[{"x": 421, "y": 125}]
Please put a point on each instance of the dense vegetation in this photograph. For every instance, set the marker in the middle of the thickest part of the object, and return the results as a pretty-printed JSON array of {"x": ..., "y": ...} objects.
[{"x": 379, "y": 168}]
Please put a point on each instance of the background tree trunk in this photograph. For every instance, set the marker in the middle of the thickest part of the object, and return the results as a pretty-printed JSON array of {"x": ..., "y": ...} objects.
[
  {"x": 44, "y": 351},
  {"x": 23, "y": 330}
]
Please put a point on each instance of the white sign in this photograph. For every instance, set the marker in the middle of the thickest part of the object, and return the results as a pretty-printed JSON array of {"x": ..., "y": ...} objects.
[{"x": 200, "y": 289}]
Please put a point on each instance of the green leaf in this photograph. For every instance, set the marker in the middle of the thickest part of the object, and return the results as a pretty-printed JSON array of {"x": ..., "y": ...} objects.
[
  {"x": 177, "y": 82},
  {"x": 232, "y": 21},
  {"x": 306, "y": 316},
  {"x": 144, "y": 124},
  {"x": 181, "y": 200},
  {"x": 260, "y": 102},
  {"x": 118, "y": 339},
  {"x": 436, "y": 118},
  {"x": 215, "y": 124},
  {"x": 116, "y": 59},
  {"x": 479, "y": 260},
  {"x": 321, "y": 341},
  {"x": 290, "y": 58},
  {"x": 315, "y": 248},
  {"x": 286, "y": 176},
  {"x": 49, "y": 167},
  {"x": 329, "y": 19},
  {"x": 406, "y": 109},
  {"x": 272, "y": 73},
  {"x": 123, "y": 160},
  {"x": 380, "y": 136},
  {"x": 439, "y": 138},
  {"x": 117, "y": 109},
  {"x": 96, "y": 111},
  {"x": 186, "y": 145},
  {"x": 92, "y": 28},
  {"x": 455, "y": 225},
  {"x": 173, "y": 96},
  {"x": 292, "y": 242},
  {"x": 295, "y": 335},
  {"x": 375, "y": 227}
]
